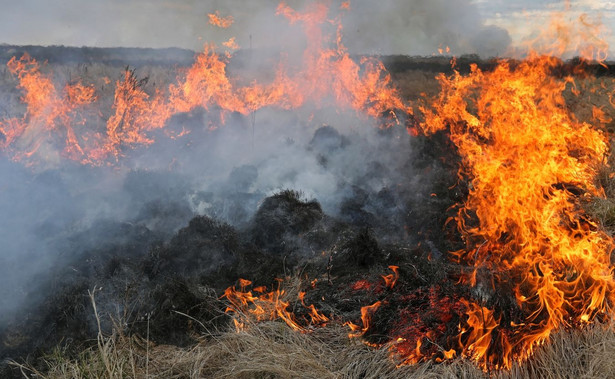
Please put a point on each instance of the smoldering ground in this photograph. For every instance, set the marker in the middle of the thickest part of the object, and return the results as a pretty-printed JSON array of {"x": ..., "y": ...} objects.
[
  {"x": 223, "y": 173},
  {"x": 129, "y": 232}
]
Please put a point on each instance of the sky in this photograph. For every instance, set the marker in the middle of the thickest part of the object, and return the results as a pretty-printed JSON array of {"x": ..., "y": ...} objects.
[{"x": 384, "y": 26}]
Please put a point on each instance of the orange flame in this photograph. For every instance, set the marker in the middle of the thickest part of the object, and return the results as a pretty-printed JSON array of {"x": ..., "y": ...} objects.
[
  {"x": 249, "y": 308},
  {"x": 222, "y": 22},
  {"x": 391, "y": 279},
  {"x": 529, "y": 163},
  {"x": 49, "y": 114},
  {"x": 327, "y": 74},
  {"x": 367, "y": 313},
  {"x": 231, "y": 44},
  {"x": 563, "y": 38},
  {"x": 132, "y": 114}
]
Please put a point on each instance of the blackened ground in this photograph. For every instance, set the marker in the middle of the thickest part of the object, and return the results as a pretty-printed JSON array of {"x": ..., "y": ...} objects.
[{"x": 148, "y": 282}]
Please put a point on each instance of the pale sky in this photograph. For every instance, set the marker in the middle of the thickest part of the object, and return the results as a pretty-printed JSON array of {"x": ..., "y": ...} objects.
[{"x": 385, "y": 26}]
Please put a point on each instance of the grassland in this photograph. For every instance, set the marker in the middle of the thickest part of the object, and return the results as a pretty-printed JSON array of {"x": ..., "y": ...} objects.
[{"x": 272, "y": 349}]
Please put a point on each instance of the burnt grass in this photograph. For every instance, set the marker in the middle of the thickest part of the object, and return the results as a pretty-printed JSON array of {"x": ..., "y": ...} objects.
[{"x": 146, "y": 282}]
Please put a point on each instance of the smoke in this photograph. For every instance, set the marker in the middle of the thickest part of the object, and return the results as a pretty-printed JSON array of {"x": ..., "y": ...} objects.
[
  {"x": 59, "y": 212},
  {"x": 420, "y": 27},
  {"x": 54, "y": 217},
  {"x": 415, "y": 27}
]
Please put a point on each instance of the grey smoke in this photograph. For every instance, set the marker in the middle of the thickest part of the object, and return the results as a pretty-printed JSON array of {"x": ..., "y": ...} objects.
[
  {"x": 54, "y": 215},
  {"x": 51, "y": 216},
  {"x": 420, "y": 27},
  {"x": 412, "y": 27}
]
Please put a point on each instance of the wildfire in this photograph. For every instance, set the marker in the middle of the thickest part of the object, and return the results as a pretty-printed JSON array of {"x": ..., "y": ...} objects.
[
  {"x": 134, "y": 114},
  {"x": 51, "y": 114},
  {"x": 327, "y": 74},
  {"x": 530, "y": 165}
]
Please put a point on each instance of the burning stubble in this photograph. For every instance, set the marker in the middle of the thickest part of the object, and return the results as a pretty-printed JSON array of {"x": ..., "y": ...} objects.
[{"x": 89, "y": 174}]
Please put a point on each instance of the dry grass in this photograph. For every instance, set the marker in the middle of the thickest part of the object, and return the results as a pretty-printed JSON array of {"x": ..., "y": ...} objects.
[
  {"x": 414, "y": 85},
  {"x": 273, "y": 350}
]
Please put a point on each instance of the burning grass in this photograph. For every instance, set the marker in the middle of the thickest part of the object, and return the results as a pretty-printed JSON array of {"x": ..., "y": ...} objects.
[
  {"x": 497, "y": 267},
  {"x": 351, "y": 271},
  {"x": 275, "y": 350}
]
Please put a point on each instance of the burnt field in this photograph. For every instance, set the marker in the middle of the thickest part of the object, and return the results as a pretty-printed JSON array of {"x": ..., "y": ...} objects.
[
  {"x": 180, "y": 241},
  {"x": 128, "y": 268}
]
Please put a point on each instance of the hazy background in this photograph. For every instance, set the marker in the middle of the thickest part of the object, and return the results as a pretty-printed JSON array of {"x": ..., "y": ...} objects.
[{"x": 410, "y": 27}]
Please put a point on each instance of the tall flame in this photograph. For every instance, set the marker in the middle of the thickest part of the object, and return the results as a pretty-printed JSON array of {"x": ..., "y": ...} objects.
[{"x": 530, "y": 165}]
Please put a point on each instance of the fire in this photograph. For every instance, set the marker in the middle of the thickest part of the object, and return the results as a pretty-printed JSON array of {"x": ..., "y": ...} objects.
[
  {"x": 330, "y": 72},
  {"x": 259, "y": 305},
  {"x": 391, "y": 279},
  {"x": 563, "y": 38},
  {"x": 133, "y": 115},
  {"x": 530, "y": 166},
  {"x": 222, "y": 22},
  {"x": 50, "y": 114},
  {"x": 231, "y": 44},
  {"x": 327, "y": 75},
  {"x": 367, "y": 314}
]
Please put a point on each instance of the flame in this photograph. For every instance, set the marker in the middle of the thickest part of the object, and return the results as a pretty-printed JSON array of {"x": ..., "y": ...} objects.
[
  {"x": 477, "y": 337},
  {"x": 530, "y": 165},
  {"x": 257, "y": 305},
  {"x": 50, "y": 114},
  {"x": 529, "y": 162},
  {"x": 222, "y": 22},
  {"x": 231, "y": 44},
  {"x": 367, "y": 314},
  {"x": 327, "y": 75},
  {"x": 134, "y": 114},
  {"x": 585, "y": 38},
  {"x": 391, "y": 279}
]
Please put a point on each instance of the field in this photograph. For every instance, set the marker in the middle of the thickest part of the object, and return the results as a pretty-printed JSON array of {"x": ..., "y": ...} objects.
[{"x": 141, "y": 295}]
